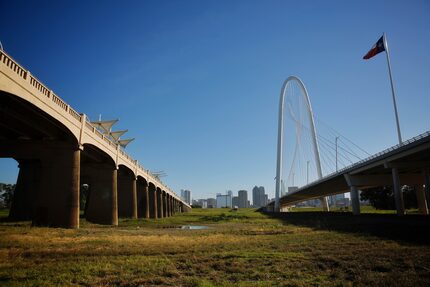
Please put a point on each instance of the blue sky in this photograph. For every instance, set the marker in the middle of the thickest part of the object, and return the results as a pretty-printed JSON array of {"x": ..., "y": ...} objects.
[{"x": 197, "y": 82}]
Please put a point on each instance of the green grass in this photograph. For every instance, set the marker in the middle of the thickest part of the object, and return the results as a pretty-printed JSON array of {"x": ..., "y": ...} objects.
[{"x": 243, "y": 248}]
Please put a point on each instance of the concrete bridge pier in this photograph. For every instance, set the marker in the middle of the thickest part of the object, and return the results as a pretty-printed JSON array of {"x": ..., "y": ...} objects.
[
  {"x": 153, "y": 202},
  {"x": 427, "y": 187},
  {"x": 102, "y": 206},
  {"x": 160, "y": 203},
  {"x": 26, "y": 190},
  {"x": 172, "y": 208},
  {"x": 165, "y": 204},
  {"x": 421, "y": 199},
  {"x": 355, "y": 200},
  {"x": 143, "y": 209},
  {"x": 127, "y": 197},
  {"x": 57, "y": 202},
  {"x": 398, "y": 196}
]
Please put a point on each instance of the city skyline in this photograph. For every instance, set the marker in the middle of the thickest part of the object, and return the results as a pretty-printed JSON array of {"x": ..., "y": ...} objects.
[{"x": 183, "y": 59}]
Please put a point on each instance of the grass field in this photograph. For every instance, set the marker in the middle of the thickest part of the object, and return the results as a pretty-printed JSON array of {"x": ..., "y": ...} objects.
[{"x": 243, "y": 248}]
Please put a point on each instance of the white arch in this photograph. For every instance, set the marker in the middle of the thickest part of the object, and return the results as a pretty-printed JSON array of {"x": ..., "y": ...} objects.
[{"x": 281, "y": 138}]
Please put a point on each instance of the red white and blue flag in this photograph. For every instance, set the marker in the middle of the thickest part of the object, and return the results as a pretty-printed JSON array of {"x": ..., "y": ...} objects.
[{"x": 376, "y": 49}]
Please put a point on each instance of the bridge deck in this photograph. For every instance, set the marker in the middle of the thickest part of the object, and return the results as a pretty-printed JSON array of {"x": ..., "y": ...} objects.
[{"x": 410, "y": 159}]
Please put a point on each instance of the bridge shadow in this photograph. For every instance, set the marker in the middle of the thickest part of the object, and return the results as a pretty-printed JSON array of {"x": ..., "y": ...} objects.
[{"x": 409, "y": 229}]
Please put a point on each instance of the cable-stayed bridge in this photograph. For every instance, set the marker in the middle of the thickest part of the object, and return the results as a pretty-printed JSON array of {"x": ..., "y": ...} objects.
[{"x": 313, "y": 167}]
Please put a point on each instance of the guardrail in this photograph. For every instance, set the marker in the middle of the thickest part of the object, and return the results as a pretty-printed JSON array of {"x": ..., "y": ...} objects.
[{"x": 45, "y": 91}]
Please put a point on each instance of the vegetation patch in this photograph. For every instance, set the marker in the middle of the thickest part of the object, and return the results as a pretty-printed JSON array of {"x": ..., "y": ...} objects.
[{"x": 243, "y": 248}]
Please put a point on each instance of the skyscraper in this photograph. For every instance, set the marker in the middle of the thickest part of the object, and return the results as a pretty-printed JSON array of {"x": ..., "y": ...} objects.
[
  {"x": 243, "y": 199},
  {"x": 186, "y": 195},
  {"x": 224, "y": 200},
  {"x": 235, "y": 201},
  {"x": 258, "y": 196}
]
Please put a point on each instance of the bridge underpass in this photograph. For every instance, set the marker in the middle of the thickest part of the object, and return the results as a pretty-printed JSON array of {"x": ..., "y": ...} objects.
[
  {"x": 59, "y": 151},
  {"x": 408, "y": 164}
]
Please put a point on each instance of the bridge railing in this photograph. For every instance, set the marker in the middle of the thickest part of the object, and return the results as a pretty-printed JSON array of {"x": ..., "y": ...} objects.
[{"x": 45, "y": 91}]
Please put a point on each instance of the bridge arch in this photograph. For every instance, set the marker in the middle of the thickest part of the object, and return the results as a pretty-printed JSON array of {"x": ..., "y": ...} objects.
[{"x": 279, "y": 158}]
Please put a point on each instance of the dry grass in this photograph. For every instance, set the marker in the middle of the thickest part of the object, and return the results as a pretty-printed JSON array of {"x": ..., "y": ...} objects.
[{"x": 240, "y": 249}]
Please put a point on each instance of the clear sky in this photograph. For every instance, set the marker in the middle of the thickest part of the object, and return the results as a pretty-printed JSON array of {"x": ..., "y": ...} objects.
[{"x": 197, "y": 82}]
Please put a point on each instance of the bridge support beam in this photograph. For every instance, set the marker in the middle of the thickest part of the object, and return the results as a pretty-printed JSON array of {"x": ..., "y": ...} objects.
[
  {"x": 26, "y": 190},
  {"x": 355, "y": 200},
  {"x": 153, "y": 201},
  {"x": 170, "y": 205},
  {"x": 421, "y": 199},
  {"x": 57, "y": 203},
  {"x": 146, "y": 200},
  {"x": 134, "y": 198},
  {"x": 165, "y": 206},
  {"x": 127, "y": 198},
  {"x": 102, "y": 200},
  {"x": 427, "y": 186},
  {"x": 160, "y": 203},
  {"x": 398, "y": 196},
  {"x": 324, "y": 204}
]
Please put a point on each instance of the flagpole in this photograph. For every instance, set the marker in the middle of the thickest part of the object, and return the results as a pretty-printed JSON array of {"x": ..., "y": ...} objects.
[{"x": 392, "y": 90}]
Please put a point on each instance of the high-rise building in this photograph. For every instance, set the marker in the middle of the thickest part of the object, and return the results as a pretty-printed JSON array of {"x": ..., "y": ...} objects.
[
  {"x": 259, "y": 198},
  {"x": 243, "y": 199},
  {"x": 223, "y": 200},
  {"x": 211, "y": 202},
  {"x": 186, "y": 195},
  {"x": 235, "y": 201}
]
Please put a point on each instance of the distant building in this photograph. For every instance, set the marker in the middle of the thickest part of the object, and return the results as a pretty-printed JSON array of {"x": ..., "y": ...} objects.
[
  {"x": 224, "y": 200},
  {"x": 242, "y": 199},
  {"x": 211, "y": 202},
  {"x": 259, "y": 198},
  {"x": 186, "y": 195},
  {"x": 203, "y": 203},
  {"x": 235, "y": 201}
]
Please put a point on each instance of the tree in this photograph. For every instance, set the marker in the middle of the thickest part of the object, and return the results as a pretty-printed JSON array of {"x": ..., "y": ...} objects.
[
  {"x": 383, "y": 197},
  {"x": 379, "y": 197},
  {"x": 7, "y": 194}
]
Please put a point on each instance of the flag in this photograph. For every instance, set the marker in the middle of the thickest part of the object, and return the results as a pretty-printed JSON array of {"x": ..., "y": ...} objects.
[{"x": 376, "y": 49}]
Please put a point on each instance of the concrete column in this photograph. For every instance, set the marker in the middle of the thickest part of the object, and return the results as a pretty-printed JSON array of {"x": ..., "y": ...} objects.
[
  {"x": 169, "y": 204},
  {"x": 134, "y": 197},
  {"x": 164, "y": 204},
  {"x": 421, "y": 200},
  {"x": 398, "y": 196},
  {"x": 153, "y": 202},
  {"x": 57, "y": 203},
  {"x": 355, "y": 200},
  {"x": 127, "y": 202},
  {"x": 427, "y": 186},
  {"x": 146, "y": 200},
  {"x": 160, "y": 206},
  {"x": 114, "y": 210},
  {"x": 26, "y": 190},
  {"x": 324, "y": 204},
  {"x": 102, "y": 205}
]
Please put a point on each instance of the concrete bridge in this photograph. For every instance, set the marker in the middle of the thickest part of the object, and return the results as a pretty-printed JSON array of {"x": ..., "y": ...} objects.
[
  {"x": 59, "y": 150},
  {"x": 406, "y": 164}
]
